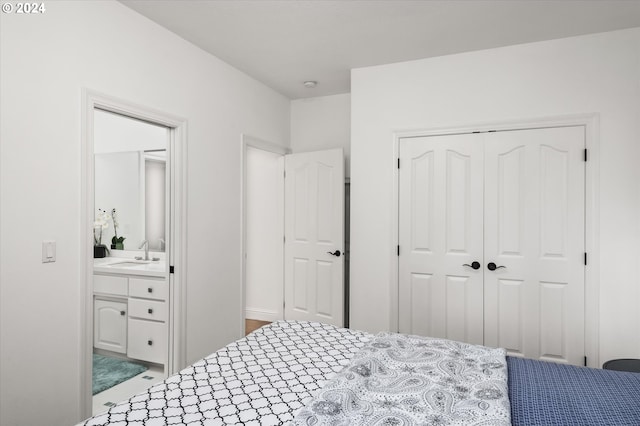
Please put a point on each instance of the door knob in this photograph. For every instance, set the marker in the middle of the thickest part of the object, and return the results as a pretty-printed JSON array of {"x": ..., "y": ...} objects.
[
  {"x": 474, "y": 265},
  {"x": 492, "y": 266},
  {"x": 335, "y": 253}
]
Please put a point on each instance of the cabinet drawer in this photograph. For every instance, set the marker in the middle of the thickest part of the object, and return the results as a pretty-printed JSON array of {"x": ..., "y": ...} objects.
[
  {"x": 108, "y": 284},
  {"x": 148, "y": 289},
  {"x": 148, "y": 309},
  {"x": 147, "y": 341}
]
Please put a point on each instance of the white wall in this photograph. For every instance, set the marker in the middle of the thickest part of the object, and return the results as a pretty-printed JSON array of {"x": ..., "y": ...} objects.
[
  {"x": 320, "y": 123},
  {"x": 264, "y": 231},
  {"x": 46, "y": 61},
  {"x": 590, "y": 74}
]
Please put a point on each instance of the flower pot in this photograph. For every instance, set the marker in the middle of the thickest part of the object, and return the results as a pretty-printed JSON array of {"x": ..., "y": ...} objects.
[
  {"x": 119, "y": 246},
  {"x": 99, "y": 251}
]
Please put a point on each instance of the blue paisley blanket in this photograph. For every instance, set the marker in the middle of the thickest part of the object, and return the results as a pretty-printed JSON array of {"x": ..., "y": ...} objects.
[{"x": 398, "y": 379}]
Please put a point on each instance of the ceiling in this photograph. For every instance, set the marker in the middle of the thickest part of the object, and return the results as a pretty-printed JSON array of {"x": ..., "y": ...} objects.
[{"x": 284, "y": 43}]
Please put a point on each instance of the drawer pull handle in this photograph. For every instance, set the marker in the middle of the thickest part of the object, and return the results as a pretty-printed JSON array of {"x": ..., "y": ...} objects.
[
  {"x": 150, "y": 290},
  {"x": 122, "y": 313},
  {"x": 150, "y": 342},
  {"x": 150, "y": 310}
]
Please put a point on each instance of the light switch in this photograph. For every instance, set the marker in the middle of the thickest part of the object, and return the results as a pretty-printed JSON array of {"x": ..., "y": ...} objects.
[{"x": 48, "y": 251}]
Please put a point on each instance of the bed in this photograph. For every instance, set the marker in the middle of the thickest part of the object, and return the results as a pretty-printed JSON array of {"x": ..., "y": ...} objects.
[{"x": 313, "y": 374}]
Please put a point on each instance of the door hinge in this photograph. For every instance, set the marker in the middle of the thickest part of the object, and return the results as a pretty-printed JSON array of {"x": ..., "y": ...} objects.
[
  {"x": 585, "y": 258},
  {"x": 586, "y": 156},
  {"x": 398, "y": 163},
  {"x": 171, "y": 269},
  {"x": 585, "y": 361},
  {"x": 398, "y": 247}
]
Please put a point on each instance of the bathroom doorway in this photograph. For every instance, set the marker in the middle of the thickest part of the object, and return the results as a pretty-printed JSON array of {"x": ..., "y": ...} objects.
[{"x": 134, "y": 247}]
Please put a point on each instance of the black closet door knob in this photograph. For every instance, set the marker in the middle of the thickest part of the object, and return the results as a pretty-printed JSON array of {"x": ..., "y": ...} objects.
[
  {"x": 492, "y": 266},
  {"x": 474, "y": 265},
  {"x": 335, "y": 253}
]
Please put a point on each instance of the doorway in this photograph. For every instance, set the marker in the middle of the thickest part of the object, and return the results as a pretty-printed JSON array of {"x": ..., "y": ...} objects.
[
  {"x": 135, "y": 315},
  {"x": 274, "y": 287},
  {"x": 492, "y": 240},
  {"x": 264, "y": 229}
]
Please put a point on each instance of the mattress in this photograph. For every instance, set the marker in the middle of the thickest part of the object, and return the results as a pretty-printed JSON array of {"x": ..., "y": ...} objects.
[{"x": 270, "y": 376}]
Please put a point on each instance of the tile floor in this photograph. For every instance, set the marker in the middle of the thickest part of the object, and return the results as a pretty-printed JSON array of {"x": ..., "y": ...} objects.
[{"x": 125, "y": 390}]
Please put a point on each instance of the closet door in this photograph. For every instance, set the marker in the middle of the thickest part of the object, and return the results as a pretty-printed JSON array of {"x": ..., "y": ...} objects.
[
  {"x": 440, "y": 218},
  {"x": 513, "y": 201},
  {"x": 534, "y": 234}
]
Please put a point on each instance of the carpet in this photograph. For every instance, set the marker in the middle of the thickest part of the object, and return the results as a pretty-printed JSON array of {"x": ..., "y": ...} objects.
[{"x": 108, "y": 372}]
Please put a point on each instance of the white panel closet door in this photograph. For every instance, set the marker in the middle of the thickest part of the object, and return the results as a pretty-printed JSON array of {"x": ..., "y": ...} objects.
[
  {"x": 314, "y": 236},
  {"x": 513, "y": 200},
  {"x": 534, "y": 234},
  {"x": 440, "y": 218}
]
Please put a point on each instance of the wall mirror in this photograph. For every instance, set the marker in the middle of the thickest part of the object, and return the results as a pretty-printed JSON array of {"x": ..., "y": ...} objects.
[{"x": 130, "y": 181}]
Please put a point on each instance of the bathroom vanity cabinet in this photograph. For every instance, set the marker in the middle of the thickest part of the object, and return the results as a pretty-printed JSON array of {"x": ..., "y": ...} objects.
[{"x": 131, "y": 316}]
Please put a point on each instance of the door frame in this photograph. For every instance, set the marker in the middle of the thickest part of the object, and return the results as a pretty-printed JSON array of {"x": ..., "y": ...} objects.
[
  {"x": 177, "y": 235},
  {"x": 247, "y": 141},
  {"x": 591, "y": 124}
]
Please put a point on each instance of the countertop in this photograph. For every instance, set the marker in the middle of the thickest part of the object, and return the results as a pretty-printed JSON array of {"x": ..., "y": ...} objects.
[{"x": 126, "y": 266}]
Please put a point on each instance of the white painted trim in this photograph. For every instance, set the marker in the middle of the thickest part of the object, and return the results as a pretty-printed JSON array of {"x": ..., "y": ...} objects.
[
  {"x": 177, "y": 240},
  {"x": 250, "y": 141},
  {"x": 261, "y": 315},
  {"x": 591, "y": 123}
]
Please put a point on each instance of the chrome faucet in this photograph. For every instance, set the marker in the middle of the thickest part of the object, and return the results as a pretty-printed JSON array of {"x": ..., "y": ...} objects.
[{"x": 145, "y": 244}]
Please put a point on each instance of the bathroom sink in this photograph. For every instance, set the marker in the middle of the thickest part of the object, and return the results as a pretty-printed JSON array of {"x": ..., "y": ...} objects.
[{"x": 128, "y": 264}]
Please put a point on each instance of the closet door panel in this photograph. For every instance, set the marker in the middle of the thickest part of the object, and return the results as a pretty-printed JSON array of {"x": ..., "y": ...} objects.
[
  {"x": 534, "y": 234},
  {"x": 440, "y": 217}
]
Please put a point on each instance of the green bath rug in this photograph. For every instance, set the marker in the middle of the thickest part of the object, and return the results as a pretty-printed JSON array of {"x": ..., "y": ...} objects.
[{"x": 108, "y": 372}]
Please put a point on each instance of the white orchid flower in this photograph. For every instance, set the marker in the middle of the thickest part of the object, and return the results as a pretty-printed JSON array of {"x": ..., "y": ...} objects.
[{"x": 102, "y": 219}]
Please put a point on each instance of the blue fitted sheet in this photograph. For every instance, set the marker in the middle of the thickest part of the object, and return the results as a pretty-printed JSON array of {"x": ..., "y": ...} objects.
[{"x": 549, "y": 394}]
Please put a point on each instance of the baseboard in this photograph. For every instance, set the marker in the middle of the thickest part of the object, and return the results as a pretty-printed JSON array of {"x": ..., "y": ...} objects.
[{"x": 261, "y": 315}]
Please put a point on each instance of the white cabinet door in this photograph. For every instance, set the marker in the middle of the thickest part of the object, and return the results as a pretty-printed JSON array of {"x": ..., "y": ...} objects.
[
  {"x": 534, "y": 234},
  {"x": 514, "y": 202},
  {"x": 441, "y": 214},
  {"x": 110, "y": 325},
  {"x": 314, "y": 228}
]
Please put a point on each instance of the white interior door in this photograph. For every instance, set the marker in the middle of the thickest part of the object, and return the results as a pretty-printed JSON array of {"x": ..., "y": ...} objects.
[
  {"x": 314, "y": 236},
  {"x": 514, "y": 202},
  {"x": 441, "y": 214},
  {"x": 534, "y": 234}
]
